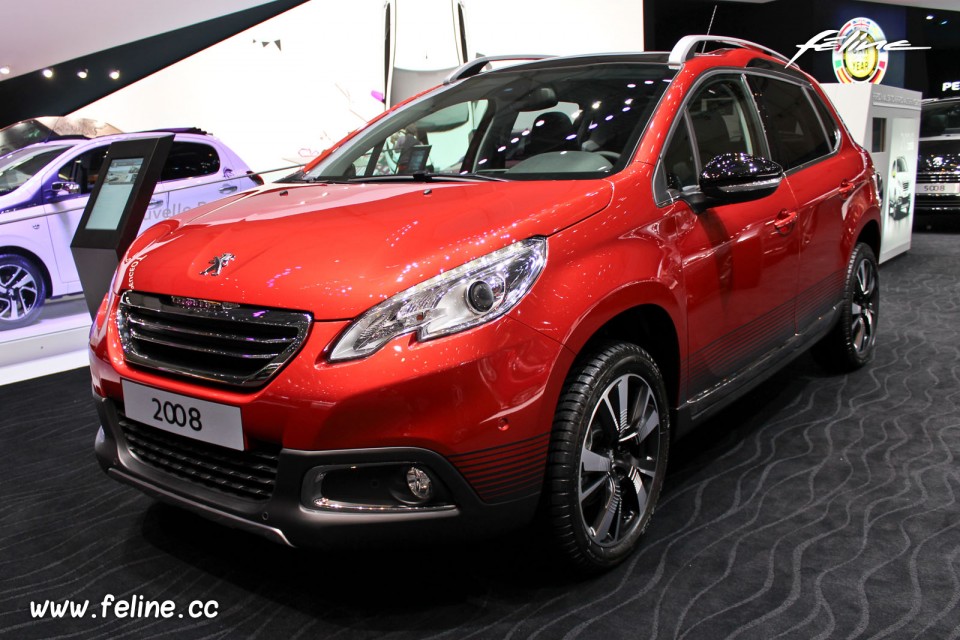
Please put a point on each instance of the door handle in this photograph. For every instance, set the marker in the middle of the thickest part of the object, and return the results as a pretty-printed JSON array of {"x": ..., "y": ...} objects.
[
  {"x": 847, "y": 188},
  {"x": 784, "y": 221},
  {"x": 229, "y": 188},
  {"x": 155, "y": 203}
]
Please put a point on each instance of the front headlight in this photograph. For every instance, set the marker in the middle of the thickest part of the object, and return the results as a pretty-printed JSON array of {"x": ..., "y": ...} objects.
[{"x": 472, "y": 294}]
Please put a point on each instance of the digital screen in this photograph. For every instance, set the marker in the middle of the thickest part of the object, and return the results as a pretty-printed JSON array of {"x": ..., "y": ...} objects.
[
  {"x": 413, "y": 159},
  {"x": 114, "y": 193}
]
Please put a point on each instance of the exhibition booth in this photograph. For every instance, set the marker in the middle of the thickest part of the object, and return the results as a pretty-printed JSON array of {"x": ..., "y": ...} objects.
[{"x": 386, "y": 319}]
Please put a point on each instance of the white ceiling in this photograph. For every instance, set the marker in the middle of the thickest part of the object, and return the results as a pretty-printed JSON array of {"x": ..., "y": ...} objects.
[{"x": 42, "y": 33}]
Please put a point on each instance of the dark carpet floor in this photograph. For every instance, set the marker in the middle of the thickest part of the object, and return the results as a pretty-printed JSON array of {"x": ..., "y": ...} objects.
[{"x": 817, "y": 507}]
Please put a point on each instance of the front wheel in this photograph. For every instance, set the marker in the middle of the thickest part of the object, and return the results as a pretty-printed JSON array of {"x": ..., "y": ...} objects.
[
  {"x": 22, "y": 291},
  {"x": 608, "y": 455},
  {"x": 853, "y": 340}
]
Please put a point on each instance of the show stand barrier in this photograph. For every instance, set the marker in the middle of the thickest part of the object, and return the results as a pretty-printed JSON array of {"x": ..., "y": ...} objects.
[{"x": 886, "y": 121}]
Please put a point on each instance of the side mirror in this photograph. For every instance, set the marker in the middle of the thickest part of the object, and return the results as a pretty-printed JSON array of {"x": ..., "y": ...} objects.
[
  {"x": 71, "y": 188},
  {"x": 736, "y": 177}
]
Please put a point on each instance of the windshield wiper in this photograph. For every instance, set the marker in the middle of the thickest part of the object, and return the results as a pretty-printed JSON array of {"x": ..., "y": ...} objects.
[
  {"x": 324, "y": 180},
  {"x": 300, "y": 177},
  {"x": 429, "y": 177}
]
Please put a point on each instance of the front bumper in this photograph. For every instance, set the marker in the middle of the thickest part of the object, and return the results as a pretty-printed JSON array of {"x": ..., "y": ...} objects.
[
  {"x": 283, "y": 518},
  {"x": 936, "y": 204},
  {"x": 475, "y": 408}
]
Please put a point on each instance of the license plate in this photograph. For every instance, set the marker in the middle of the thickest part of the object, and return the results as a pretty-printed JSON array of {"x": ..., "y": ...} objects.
[
  {"x": 951, "y": 188},
  {"x": 202, "y": 420}
]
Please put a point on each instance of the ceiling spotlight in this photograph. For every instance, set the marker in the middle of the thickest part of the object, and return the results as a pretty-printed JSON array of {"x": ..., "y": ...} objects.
[
  {"x": 114, "y": 75},
  {"x": 82, "y": 74},
  {"x": 944, "y": 22},
  {"x": 47, "y": 73},
  {"x": 4, "y": 70},
  {"x": 929, "y": 16}
]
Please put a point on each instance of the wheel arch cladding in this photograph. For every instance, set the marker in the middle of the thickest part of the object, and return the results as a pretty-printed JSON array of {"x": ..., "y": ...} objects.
[
  {"x": 650, "y": 327},
  {"x": 870, "y": 234}
]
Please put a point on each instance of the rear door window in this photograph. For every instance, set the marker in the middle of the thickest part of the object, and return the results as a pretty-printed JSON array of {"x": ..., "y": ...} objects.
[{"x": 797, "y": 136}]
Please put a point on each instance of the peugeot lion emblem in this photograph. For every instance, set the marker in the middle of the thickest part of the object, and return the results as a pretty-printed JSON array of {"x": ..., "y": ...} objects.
[{"x": 217, "y": 263}]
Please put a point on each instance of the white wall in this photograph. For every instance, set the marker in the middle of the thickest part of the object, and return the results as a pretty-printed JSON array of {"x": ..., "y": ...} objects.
[{"x": 279, "y": 106}]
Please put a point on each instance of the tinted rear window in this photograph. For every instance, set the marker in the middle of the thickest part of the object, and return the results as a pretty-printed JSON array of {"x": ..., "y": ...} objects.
[
  {"x": 796, "y": 134},
  {"x": 190, "y": 160}
]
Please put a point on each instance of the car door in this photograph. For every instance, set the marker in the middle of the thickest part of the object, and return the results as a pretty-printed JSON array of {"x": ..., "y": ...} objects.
[
  {"x": 740, "y": 260},
  {"x": 805, "y": 141},
  {"x": 63, "y": 209},
  {"x": 194, "y": 174}
]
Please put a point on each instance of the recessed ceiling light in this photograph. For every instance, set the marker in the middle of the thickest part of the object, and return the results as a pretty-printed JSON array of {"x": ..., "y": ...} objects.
[
  {"x": 82, "y": 74},
  {"x": 929, "y": 16},
  {"x": 114, "y": 75},
  {"x": 47, "y": 73},
  {"x": 4, "y": 70}
]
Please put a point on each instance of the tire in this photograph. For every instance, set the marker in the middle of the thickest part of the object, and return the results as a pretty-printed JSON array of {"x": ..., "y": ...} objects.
[
  {"x": 607, "y": 458},
  {"x": 852, "y": 341},
  {"x": 22, "y": 291}
]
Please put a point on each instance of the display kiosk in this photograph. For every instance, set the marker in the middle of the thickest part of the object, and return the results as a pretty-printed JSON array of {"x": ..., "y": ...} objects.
[
  {"x": 886, "y": 122},
  {"x": 115, "y": 210}
]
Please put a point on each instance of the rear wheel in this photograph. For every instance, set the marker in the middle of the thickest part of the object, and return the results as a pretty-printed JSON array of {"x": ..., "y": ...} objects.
[
  {"x": 608, "y": 455},
  {"x": 853, "y": 340},
  {"x": 22, "y": 291}
]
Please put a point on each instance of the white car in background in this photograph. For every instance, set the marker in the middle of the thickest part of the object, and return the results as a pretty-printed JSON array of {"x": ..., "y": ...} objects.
[
  {"x": 899, "y": 191},
  {"x": 44, "y": 188},
  {"x": 425, "y": 41}
]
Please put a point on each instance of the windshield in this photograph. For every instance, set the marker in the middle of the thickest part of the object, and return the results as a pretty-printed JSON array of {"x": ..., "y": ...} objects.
[
  {"x": 557, "y": 123},
  {"x": 21, "y": 165},
  {"x": 21, "y": 134},
  {"x": 940, "y": 118}
]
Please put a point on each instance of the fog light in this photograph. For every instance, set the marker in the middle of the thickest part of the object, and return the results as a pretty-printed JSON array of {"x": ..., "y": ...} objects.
[{"x": 419, "y": 483}]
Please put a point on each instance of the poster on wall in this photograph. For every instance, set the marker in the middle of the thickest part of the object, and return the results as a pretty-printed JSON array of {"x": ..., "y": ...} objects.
[{"x": 900, "y": 181}]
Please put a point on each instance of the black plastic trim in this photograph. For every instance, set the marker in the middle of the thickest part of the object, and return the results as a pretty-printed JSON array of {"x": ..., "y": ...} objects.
[{"x": 283, "y": 517}]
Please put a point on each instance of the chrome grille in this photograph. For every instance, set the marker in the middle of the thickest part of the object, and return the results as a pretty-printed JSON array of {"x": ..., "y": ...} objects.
[
  {"x": 938, "y": 177},
  {"x": 221, "y": 342},
  {"x": 248, "y": 474}
]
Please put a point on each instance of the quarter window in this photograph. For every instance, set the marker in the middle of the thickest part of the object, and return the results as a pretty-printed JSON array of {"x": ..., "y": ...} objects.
[
  {"x": 796, "y": 135},
  {"x": 679, "y": 164},
  {"x": 190, "y": 160}
]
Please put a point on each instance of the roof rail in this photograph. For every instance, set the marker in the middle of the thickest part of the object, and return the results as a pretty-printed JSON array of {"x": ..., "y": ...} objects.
[
  {"x": 195, "y": 130},
  {"x": 685, "y": 48},
  {"x": 474, "y": 67}
]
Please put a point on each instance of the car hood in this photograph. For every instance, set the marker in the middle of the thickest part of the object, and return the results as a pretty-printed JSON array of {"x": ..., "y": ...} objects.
[{"x": 336, "y": 250}]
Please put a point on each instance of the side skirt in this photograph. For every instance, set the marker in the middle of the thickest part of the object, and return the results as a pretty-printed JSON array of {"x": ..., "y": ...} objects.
[{"x": 707, "y": 403}]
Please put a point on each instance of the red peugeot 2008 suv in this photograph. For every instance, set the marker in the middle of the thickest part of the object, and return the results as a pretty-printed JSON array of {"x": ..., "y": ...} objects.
[{"x": 505, "y": 296}]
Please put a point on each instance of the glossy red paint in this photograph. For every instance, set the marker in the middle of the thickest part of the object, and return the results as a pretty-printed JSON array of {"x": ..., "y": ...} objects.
[
  {"x": 710, "y": 293},
  {"x": 336, "y": 250}
]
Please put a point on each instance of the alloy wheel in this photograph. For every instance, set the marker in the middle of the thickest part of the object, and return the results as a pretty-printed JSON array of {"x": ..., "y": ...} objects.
[
  {"x": 863, "y": 307},
  {"x": 618, "y": 460},
  {"x": 19, "y": 292}
]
